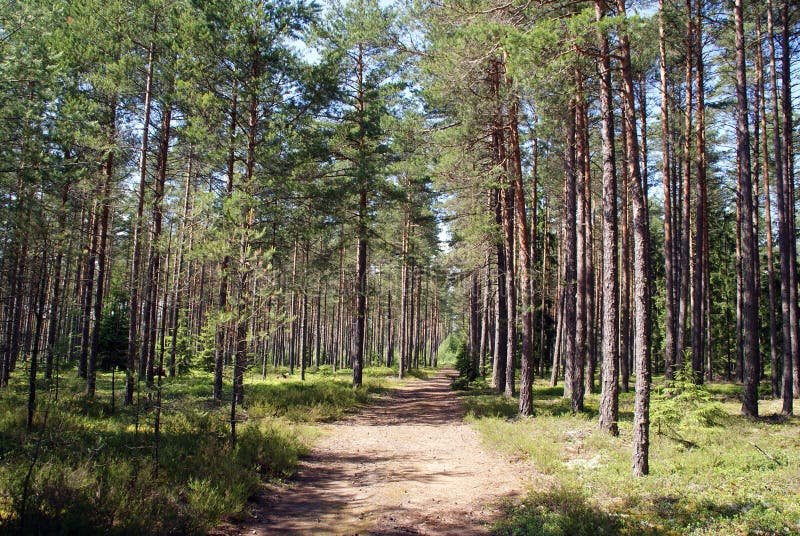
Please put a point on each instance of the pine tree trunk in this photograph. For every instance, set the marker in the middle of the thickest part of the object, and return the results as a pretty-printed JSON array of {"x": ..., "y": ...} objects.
[
  {"x": 357, "y": 356},
  {"x": 669, "y": 268},
  {"x": 641, "y": 309},
  {"x": 88, "y": 286},
  {"x": 222, "y": 301},
  {"x": 134, "y": 282},
  {"x": 105, "y": 203},
  {"x": 686, "y": 225},
  {"x": 698, "y": 298},
  {"x": 524, "y": 263},
  {"x": 570, "y": 260},
  {"x": 501, "y": 312},
  {"x": 784, "y": 226},
  {"x": 625, "y": 267},
  {"x": 773, "y": 333},
  {"x": 485, "y": 315},
  {"x": 749, "y": 250},
  {"x": 609, "y": 394},
  {"x": 52, "y": 328},
  {"x": 403, "y": 336},
  {"x": 788, "y": 167},
  {"x": 575, "y": 369},
  {"x": 39, "y": 316},
  {"x": 543, "y": 305},
  {"x": 154, "y": 256}
]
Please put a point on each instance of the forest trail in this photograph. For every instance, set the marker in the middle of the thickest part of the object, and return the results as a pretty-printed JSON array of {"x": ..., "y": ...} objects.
[{"x": 407, "y": 464}]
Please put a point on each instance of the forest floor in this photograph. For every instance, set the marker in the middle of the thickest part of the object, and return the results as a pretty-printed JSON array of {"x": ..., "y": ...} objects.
[{"x": 407, "y": 464}]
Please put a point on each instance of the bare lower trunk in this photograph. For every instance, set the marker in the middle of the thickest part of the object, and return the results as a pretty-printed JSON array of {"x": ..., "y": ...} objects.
[
  {"x": 524, "y": 263},
  {"x": 750, "y": 304},
  {"x": 773, "y": 333},
  {"x": 357, "y": 356},
  {"x": 686, "y": 223},
  {"x": 609, "y": 395},
  {"x": 698, "y": 298},
  {"x": 641, "y": 415},
  {"x": 788, "y": 166},
  {"x": 784, "y": 228},
  {"x": 570, "y": 258},
  {"x": 105, "y": 204}
]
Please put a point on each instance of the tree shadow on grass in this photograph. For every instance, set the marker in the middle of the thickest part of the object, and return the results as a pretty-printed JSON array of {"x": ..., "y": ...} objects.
[
  {"x": 566, "y": 510},
  {"x": 486, "y": 403},
  {"x": 558, "y": 512}
]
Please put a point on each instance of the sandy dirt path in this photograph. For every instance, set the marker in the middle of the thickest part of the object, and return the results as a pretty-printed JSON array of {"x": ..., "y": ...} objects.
[{"x": 407, "y": 464}]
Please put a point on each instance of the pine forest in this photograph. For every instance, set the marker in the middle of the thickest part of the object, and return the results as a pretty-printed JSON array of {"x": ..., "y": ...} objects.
[{"x": 442, "y": 267}]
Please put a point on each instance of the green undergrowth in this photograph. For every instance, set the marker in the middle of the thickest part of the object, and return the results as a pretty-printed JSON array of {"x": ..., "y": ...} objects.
[
  {"x": 711, "y": 470},
  {"x": 85, "y": 469}
]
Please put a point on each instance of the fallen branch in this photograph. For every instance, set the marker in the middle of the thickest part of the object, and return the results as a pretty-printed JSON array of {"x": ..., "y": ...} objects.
[{"x": 769, "y": 456}]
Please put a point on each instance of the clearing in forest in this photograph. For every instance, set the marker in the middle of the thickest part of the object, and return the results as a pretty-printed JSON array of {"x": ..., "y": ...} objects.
[{"x": 407, "y": 464}]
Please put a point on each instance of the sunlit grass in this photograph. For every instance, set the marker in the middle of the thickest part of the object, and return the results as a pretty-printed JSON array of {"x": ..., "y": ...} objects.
[
  {"x": 92, "y": 463},
  {"x": 738, "y": 478}
]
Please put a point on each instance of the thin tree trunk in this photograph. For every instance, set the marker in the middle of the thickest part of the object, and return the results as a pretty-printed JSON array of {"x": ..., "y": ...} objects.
[
  {"x": 105, "y": 203},
  {"x": 788, "y": 166},
  {"x": 52, "y": 328},
  {"x": 88, "y": 286},
  {"x": 570, "y": 257},
  {"x": 485, "y": 315},
  {"x": 669, "y": 268},
  {"x": 154, "y": 256},
  {"x": 773, "y": 333},
  {"x": 403, "y": 336},
  {"x": 784, "y": 229},
  {"x": 357, "y": 356},
  {"x": 133, "y": 309},
  {"x": 524, "y": 262},
  {"x": 219, "y": 347},
  {"x": 544, "y": 295},
  {"x": 39, "y": 316},
  {"x": 686, "y": 225},
  {"x": 698, "y": 298},
  {"x": 625, "y": 268},
  {"x": 575, "y": 369}
]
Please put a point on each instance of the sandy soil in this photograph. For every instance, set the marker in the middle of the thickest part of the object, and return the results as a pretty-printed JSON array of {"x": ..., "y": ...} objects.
[{"x": 405, "y": 465}]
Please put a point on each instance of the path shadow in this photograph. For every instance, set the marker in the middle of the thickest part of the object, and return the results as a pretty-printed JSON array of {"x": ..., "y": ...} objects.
[{"x": 421, "y": 403}]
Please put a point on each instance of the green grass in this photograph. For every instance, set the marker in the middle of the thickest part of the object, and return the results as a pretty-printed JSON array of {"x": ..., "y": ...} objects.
[
  {"x": 740, "y": 477},
  {"x": 93, "y": 470}
]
